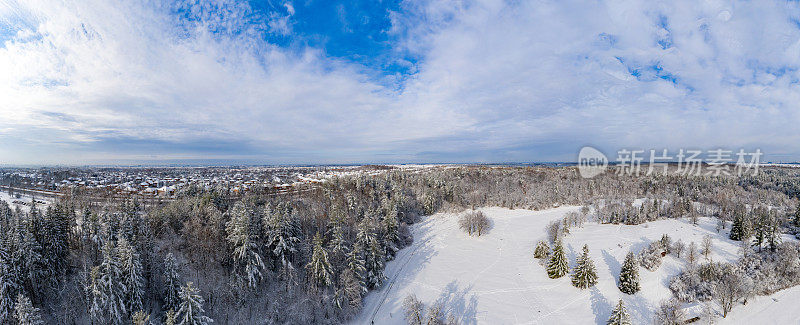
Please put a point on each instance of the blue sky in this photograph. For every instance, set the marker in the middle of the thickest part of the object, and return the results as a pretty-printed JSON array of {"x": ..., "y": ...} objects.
[{"x": 393, "y": 81}]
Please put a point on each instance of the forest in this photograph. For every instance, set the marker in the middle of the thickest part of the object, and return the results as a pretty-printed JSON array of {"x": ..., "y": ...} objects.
[{"x": 311, "y": 257}]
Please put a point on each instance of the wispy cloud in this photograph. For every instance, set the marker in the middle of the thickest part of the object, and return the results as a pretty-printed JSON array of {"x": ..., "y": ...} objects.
[{"x": 494, "y": 81}]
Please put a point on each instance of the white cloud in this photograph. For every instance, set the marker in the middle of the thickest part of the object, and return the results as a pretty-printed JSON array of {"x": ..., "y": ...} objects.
[
  {"x": 289, "y": 8},
  {"x": 497, "y": 81},
  {"x": 535, "y": 72},
  {"x": 125, "y": 72}
]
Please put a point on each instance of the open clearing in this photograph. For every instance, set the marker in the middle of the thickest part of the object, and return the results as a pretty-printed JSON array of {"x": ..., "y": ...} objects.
[
  {"x": 495, "y": 279},
  {"x": 4, "y": 196}
]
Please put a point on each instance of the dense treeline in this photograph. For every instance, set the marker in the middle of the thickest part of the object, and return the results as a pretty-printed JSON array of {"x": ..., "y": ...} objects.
[{"x": 308, "y": 257}]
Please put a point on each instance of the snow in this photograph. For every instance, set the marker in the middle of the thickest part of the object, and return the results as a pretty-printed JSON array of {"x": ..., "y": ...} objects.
[
  {"x": 24, "y": 198},
  {"x": 495, "y": 279},
  {"x": 778, "y": 308}
]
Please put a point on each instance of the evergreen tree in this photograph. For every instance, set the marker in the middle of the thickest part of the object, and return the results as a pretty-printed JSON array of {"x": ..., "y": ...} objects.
[
  {"x": 170, "y": 318},
  {"x": 132, "y": 279},
  {"x": 8, "y": 287},
  {"x": 140, "y": 318},
  {"x": 390, "y": 232},
  {"x": 772, "y": 231},
  {"x": 338, "y": 243},
  {"x": 91, "y": 233},
  {"x": 283, "y": 235},
  {"x": 542, "y": 250},
  {"x": 172, "y": 285},
  {"x": 351, "y": 283},
  {"x": 666, "y": 243},
  {"x": 796, "y": 219},
  {"x": 191, "y": 308},
  {"x": 111, "y": 285},
  {"x": 370, "y": 248},
  {"x": 29, "y": 255},
  {"x": 760, "y": 230},
  {"x": 25, "y": 312},
  {"x": 557, "y": 266},
  {"x": 738, "y": 229},
  {"x": 58, "y": 230},
  {"x": 95, "y": 296},
  {"x": 629, "y": 275},
  {"x": 243, "y": 235},
  {"x": 319, "y": 268},
  {"x": 584, "y": 274},
  {"x": 619, "y": 316}
]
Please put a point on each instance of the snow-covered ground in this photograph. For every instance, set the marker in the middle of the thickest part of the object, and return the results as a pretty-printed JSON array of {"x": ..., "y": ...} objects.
[
  {"x": 778, "y": 308},
  {"x": 495, "y": 279},
  {"x": 24, "y": 198}
]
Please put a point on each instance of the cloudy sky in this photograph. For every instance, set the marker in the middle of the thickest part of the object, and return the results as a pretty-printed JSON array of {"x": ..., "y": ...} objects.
[{"x": 312, "y": 81}]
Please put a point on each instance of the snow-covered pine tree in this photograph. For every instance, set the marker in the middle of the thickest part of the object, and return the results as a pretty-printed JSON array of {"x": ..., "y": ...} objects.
[
  {"x": 140, "y": 318},
  {"x": 170, "y": 317},
  {"x": 629, "y": 275},
  {"x": 111, "y": 285},
  {"x": 390, "y": 232},
  {"x": 319, "y": 268},
  {"x": 666, "y": 243},
  {"x": 283, "y": 236},
  {"x": 351, "y": 282},
  {"x": 584, "y": 274},
  {"x": 557, "y": 266},
  {"x": 737, "y": 228},
  {"x": 796, "y": 218},
  {"x": 368, "y": 244},
  {"x": 30, "y": 255},
  {"x": 61, "y": 233},
  {"x": 47, "y": 238},
  {"x": 760, "y": 228},
  {"x": 338, "y": 243},
  {"x": 91, "y": 231},
  {"x": 191, "y": 308},
  {"x": 172, "y": 285},
  {"x": 772, "y": 231},
  {"x": 132, "y": 279},
  {"x": 17, "y": 274},
  {"x": 129, "y": 227},
  {"x": 94, "y": 295},
  {"x": 8, "y": 287},
  {"x": 25, "y": 313},
  {"x": 542, "y": 250},
  {"x": 619, "y": 316},
  {"x": 243, "y": 237}
]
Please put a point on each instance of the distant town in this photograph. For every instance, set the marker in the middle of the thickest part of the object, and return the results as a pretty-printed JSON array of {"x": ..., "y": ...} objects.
[{"x": 165, "y": 182}]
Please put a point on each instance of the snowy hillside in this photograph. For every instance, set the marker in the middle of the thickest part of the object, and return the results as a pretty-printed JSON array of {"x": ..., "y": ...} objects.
[{"x": 495, "y": 279}]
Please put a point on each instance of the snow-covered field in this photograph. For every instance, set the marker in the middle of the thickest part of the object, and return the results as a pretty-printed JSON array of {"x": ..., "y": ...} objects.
[
  {"x": 778, "y": 308},
  {"x": 24, "y": 198},
  {"x": 495, "y": 279}
]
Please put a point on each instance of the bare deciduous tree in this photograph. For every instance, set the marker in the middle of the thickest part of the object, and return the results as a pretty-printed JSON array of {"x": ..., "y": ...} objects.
[
  {"x": 707, "y": 246},
  {"x": 474, "y": 222},
  {"x": 677, "y": 248},
  {"x": 669, "y": 313},
  {"x": 413, "y": 310},
  {"x": 691, "y": 254},
  {"x": 729, "y": 291}
]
